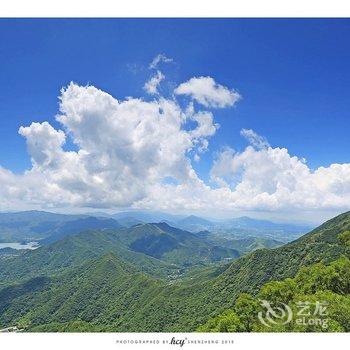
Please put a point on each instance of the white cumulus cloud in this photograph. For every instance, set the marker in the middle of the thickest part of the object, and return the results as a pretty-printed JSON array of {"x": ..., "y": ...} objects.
[
  {"x": 208, "y": 93},
  {"x": 270, "y": 178},
  {"x": 127, "y": 150}
]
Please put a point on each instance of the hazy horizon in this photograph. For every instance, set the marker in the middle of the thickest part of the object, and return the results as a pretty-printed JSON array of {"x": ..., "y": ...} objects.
[{"x": 209, "y": 216}]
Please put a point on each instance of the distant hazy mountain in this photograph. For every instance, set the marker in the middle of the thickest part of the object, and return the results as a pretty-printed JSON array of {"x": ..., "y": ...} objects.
[
  {"x": 148, "y": 216},
  {"x": 30, "y": 225},
  {"x": 80, "y": 225},
  {"x": 33, "y": 215},
  {"x": 190, "y": 223},
  {"x": 194, "y": 223},
  {"x": 249, "y": 223},
  {"x": 47, "y": 227},
  {"x": 243, "y": 227},
  {"x": 40, "y": 225},
  {"x": 129, "y": 221},
  {"x": 242, "y": 245}
]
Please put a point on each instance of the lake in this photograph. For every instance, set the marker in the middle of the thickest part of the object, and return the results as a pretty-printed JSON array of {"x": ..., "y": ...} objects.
[{"x": 14, "y": 245}]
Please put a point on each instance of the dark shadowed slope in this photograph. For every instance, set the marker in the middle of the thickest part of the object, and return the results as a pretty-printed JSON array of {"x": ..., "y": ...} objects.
[{"x": 173, "y": 245}]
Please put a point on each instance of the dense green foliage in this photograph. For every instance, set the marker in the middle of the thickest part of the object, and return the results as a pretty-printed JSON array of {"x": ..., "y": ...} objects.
[
  {"x": 345, "y": 237},
  {"x": 106, "y": 289},
  {"x": 319, "y": 284}
]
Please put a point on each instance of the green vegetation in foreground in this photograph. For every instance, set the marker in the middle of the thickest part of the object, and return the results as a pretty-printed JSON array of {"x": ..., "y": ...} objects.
[{"x": 319, "y": 284}]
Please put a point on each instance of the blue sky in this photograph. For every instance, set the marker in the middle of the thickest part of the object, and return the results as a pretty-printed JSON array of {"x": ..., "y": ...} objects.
[{"x": 293, "y": 75}]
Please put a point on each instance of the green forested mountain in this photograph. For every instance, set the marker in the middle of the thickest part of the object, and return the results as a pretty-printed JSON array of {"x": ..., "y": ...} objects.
[
  {"x": 102, "y": 290},
  {"x": 108, "y": 292},
  {"x": 320, "y": 245},
  {"x": 73, "y": 251},
  {"x": 173, "y": 245},
  {"x": 156, "y": 249}
]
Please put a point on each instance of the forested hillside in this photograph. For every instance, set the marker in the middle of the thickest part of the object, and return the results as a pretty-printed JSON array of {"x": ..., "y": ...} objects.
[{"x": 322, "y": 285}]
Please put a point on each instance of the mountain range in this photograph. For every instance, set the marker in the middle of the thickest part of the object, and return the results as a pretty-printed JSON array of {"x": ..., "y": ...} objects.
[
  {"x": 150, "y": 277},
  {"x": 48, "y": 227}
]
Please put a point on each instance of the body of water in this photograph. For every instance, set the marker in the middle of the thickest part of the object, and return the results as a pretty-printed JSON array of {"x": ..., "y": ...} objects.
[{"x": 14, "y": 245}]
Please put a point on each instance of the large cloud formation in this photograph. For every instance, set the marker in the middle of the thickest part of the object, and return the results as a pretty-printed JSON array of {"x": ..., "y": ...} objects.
[
  {"x": 138, "y": 153},
  {"x": 263, "y": 177}
]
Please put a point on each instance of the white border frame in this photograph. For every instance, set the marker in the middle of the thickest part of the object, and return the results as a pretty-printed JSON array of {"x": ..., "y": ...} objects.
[{"x": 179, "y": 8}]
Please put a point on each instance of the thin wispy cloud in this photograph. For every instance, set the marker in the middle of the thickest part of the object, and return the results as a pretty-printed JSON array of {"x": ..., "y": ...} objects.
[
  {"x": 151, "y": 86},
  {"x": 254, "y": 139},
  {"x": 160, "y": 58}
]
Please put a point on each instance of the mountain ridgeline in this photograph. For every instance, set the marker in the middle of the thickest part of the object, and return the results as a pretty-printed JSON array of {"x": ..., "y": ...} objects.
[
  {"x": 49, "y": 227},
  {"x": 149, "y": 277}
]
